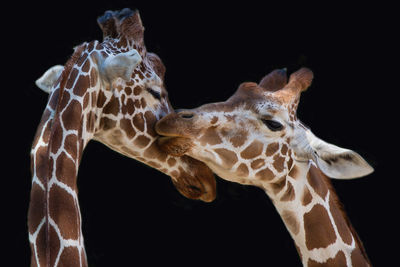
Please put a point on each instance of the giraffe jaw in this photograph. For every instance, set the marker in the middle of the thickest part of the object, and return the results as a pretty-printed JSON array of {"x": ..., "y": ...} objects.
[{"x": 175, "y": 146}]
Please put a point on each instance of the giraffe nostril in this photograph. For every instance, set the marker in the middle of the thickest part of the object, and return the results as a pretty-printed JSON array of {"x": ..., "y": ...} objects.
[{"x": 186, "y": 115}]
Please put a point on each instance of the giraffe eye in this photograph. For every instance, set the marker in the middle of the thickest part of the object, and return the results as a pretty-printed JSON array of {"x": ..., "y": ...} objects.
[
  {"x": 154, "y": 93},
  {"x": 273, "y": 125}
]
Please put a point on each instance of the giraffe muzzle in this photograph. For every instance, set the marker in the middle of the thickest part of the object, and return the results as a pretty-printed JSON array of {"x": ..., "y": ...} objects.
[{"x": 176, "y": 124}]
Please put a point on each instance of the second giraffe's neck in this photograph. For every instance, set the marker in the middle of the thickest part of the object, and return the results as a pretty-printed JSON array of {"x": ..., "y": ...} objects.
[{"x": 314, "y": 217}]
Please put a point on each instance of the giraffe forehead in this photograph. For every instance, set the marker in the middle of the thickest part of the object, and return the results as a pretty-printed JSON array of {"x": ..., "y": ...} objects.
[{"x": 269, "y": 106}]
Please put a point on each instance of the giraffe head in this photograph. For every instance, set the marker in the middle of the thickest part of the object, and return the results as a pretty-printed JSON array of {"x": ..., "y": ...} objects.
[
  {"x": 255, "y": 136},
  {"x": 121, "y": 89}
]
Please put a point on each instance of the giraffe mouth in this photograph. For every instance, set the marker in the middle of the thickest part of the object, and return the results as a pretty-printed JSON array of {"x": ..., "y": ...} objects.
[{"x": 175, "y": 145}]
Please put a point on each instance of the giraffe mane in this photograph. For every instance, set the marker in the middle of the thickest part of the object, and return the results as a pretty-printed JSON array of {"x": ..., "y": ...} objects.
[{"x": 67, "y": 70}]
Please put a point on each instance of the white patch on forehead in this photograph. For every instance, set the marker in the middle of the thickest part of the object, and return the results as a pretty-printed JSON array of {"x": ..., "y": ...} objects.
[{"x": 268, "y": 107}]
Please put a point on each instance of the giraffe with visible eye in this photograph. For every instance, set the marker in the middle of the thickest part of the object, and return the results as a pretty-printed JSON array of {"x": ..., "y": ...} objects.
[
  {"x": 255, "y": 138},
  {"x": 112, "y": 92}
]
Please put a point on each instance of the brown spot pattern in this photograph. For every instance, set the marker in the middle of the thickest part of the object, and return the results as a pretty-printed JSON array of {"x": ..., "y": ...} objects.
[
  {"x": 129, "y": 107},
  {"x": 253, "y": 150},
  {"x": 284, "y": 149},
  {"x": 70, "y": 145},
  {"x": 279, "y": 163},
  {"x": 294, "y": 172},
  {"x": 265, "y": 174},
  {"x": 150, "y": 123},
  {"x": 85, "y": 101},
  {"x": 258, "y": 163},
  {"x": 71, "y": 116},
  {"x": 69, "y": 257},
  {"x": 66, "y": 170},
  {"x": 36, "y": 207},
  {"x": 112, "y": 107},
  {"x": 71, "y": 79},
  {"x": 242, "y": 170},
  {"x": 40, "y": 243},
  {"x": 126, "y": 125},
  {"x": 101, "y": 99},
  {"x": 55, "y": 241},
  {"x": 239, "y": 138},
  {"x": 210, "y": 136},
  {"x": 316, "y": 181},
  {"x": 64, "y": 212},
  {"x": 93, "y": 77},
  {"x": 318, "y": 228},
  {"x": 228, "y": 157},
  {"x": 137, "y": 90},
  {"x": 142, "y": 141},
  {"x": 271, "y": 149},
  {"x": 128, "y": 90},
  {"x": 340, "y": 222},
  {"x": 56, "y": 138},
  {"x": 41, "y": 164},
  {"x": 81, "y": 85},
  {"x": 138, "y": 121}
]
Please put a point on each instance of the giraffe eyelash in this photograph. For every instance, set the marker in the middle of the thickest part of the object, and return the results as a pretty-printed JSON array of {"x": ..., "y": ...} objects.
[
  {"x": 273, "y": 125},
  {"x": 154, "y": 93}
]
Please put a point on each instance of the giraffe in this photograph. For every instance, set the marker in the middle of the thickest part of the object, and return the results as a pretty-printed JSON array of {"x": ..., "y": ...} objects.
[
  {"x": 255, "y": 138},
  {"x": 112, "y": 92}
]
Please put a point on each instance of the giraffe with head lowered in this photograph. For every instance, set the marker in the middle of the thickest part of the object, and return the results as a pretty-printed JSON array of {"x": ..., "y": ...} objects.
[
  {"x": 113, "y": 92},
  {"x": 255, "y": 138}
]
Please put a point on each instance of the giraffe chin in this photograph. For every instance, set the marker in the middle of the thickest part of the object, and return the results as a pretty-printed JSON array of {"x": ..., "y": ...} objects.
[{"x": 175, "y": 146}]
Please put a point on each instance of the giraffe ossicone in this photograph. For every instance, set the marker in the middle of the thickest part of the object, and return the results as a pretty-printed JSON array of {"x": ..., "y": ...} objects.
[
  {"x": 112, "y": 92},
  {"x": 255, "y": 138}
]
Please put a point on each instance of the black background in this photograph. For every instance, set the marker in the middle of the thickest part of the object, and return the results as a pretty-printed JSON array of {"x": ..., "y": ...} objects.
[{"x": 132, "y": 213}]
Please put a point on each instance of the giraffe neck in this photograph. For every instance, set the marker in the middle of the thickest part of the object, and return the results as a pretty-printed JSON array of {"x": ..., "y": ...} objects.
[
  {"x": 54, "y": 218},
  {"x": 80, "y": 108},
  {"x": 314, "y": 217}
]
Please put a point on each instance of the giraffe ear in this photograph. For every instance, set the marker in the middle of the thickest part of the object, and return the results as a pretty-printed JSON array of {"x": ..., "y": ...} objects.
[
  {"x": 337, "y": 162},
  {"x": 119, "y": 66},
  {"x": 49, "y": 78}
]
